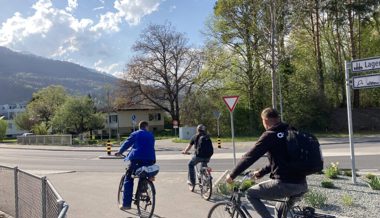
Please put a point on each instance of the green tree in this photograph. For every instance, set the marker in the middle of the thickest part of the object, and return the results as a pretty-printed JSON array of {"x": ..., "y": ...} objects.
[
  {"x": 45, "y": 103},
  {"x": 24, "y": 121},
  {"x": 3, "y": 129},
  {"x": 77, "y": 115}
]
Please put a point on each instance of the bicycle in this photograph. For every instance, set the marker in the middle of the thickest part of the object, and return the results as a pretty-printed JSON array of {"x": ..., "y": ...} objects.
[
  {"x": 203, "y": 178},
  {"x": 145, "y": 195},
  {"x": 234, "y": 207}
]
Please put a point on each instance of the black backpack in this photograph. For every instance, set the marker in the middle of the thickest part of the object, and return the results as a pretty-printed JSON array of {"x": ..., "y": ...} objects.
[
  {"x": 305, "y": 156},
  {"x": 204, "y": 148}
]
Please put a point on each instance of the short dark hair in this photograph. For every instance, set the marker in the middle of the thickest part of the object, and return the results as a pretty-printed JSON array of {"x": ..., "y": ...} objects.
[
  {"x": 143, "y": 124},
  {"x": 270, "y": 113}
]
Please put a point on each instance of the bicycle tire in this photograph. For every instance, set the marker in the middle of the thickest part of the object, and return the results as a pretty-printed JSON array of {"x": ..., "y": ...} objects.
[
  {"x": 206, "y": 185},
  {"x": 120, "y": 191},
  {"x": 225, "y": 209},
  {"x": 145, "y": 198}
]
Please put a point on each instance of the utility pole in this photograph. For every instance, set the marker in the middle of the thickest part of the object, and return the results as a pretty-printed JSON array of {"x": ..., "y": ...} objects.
[{"x": 273, "y": 63}]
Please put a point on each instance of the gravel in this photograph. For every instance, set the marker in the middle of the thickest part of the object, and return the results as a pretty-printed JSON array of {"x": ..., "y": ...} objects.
[{"x": 365, "y": 201}]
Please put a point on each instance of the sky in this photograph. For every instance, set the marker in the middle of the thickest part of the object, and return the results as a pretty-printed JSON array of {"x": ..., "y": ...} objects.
[{"x": 96, "y": 34}]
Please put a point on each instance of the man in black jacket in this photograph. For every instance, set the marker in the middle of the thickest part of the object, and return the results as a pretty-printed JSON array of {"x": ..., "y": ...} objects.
[{"x": 283, "y": 182}]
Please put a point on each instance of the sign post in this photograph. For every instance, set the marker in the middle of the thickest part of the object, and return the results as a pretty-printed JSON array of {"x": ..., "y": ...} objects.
[
  {"x": 359, "y": 82},
  {"x": 231, "y": 102},
  {"x": 175, "y": 127},
  {"x": 133, "y": 121},
  {"x": 217, "y": 116}
]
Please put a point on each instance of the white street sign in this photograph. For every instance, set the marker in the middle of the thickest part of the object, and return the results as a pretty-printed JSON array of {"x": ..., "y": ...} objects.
[
  {"x": 365, "y": 65},
  {"x": 369, "y": 81}
]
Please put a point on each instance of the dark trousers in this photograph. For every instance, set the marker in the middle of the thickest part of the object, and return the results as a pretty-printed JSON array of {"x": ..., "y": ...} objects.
[
  {"x": 194, "y": 161},
  {"x": 273, "y": 189},
  {"x": 128, "y": 182}
]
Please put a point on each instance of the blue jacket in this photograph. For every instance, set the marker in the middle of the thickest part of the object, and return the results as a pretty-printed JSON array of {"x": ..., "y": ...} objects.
[{"x": 142, "y": 142}]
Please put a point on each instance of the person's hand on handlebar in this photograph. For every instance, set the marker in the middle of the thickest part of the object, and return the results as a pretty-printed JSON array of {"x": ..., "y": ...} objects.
[{"x": 185, "y": 152}]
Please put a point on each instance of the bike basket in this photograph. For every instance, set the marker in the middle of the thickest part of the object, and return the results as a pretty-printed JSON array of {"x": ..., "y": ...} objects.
[{"x": 147, "y": 171}]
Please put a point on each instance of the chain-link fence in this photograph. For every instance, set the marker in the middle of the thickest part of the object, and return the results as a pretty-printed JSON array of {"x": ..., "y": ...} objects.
[
  {"x": 45, "y": 140},
  {"x": 23, "y": 195}
]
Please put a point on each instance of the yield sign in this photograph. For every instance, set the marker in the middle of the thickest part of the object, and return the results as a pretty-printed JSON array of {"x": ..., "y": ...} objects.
[{"x": 231, "y": 102}]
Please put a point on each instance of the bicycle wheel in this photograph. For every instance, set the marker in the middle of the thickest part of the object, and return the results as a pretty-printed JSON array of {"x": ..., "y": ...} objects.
[
  {"x": 225, "y": 209},
  {"x": 206, "y": 185},
  {"x": 120, "y": 191},
  {"x": 145, "y": 198}
]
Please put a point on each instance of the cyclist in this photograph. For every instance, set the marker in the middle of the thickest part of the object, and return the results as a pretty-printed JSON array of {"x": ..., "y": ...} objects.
[
  {"x": 201, "y": 155},
  {"x": 142, "y": 153},
  {"x": 283, "y": 183}
]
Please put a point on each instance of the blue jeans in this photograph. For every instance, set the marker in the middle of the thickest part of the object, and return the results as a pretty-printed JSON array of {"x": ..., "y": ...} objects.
[
  {"x": 273, "y": 189},
  {"x": 194, "y": 161},
  {"x": 128, "y": 181}
]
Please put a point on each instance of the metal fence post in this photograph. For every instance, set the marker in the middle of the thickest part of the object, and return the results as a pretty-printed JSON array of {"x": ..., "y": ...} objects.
[
  {"x": 43, "y": 193},
  {"x": 16, "y": 191}
]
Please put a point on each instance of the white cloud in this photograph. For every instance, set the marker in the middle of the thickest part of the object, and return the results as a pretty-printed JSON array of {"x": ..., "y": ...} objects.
[
  {"x": 98, "y": 8},
  {"x": 114, "y": 68},
  {"x": 71, "y": 5},
  {"x": 52, "y": 32},
  {"x": 133, "y": 10}
]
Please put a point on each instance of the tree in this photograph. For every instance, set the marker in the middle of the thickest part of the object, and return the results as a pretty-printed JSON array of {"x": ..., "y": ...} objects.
[
  {"x": 45, "y": 103},
  {"x": 77, "y": 115},
  {"x": 24, "y": 121},
  {"x": 3, "y": 129},
  {"x": 164, "y": 68}
]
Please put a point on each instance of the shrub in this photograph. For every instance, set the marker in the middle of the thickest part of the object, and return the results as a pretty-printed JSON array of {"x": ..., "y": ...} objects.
[
  {"x": 92, "y": 142},
  {"x": 347, "y": 200},
  {"x": 370, "y": 176},
  {"x": 315, "y": 199},
  {"x": 332, "y": 171},
  {"x": 327, "y": 183},
  {"x": 374, "y": 183}
]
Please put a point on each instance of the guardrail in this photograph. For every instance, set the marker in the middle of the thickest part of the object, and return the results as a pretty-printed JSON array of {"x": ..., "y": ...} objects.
[
  {"x": 25, "y": 195},
  {"x": 45, "y": 140}
]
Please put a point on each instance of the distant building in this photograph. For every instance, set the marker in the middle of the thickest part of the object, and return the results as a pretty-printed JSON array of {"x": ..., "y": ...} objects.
[
  {"x": 10, "y": 111},
  {"x": 125, "y": 120}
]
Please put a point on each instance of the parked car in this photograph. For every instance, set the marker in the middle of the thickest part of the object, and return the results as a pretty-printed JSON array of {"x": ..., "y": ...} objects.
[{"x": 27, "y": 133}]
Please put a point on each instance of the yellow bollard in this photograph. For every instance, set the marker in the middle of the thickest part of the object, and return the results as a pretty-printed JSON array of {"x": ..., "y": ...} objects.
[
  {"x": 219, "y": 143},
  {"x": 108, "y": 147}
]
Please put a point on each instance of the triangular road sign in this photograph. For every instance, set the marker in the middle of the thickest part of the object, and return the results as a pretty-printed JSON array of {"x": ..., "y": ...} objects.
[{"x": 231, "y": 102}]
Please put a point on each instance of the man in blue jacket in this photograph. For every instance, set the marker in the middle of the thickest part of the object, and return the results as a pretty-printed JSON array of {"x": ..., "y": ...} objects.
[{"x": 141, "y": 154}]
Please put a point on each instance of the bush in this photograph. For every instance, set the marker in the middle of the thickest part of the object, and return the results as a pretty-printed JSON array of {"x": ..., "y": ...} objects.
[
  {"x": 315, "y": 199},
  {"x": 374, "y": 183},
  {"x": 327, "y": 183},
  {"x": 347, "y": 200},
  {"x": 332, "y": 171},
  {"x": 370, "y": 176},
  {"x": 92, "y": 142}
]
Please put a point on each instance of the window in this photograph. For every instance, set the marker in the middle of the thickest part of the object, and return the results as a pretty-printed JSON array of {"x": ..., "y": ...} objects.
[
  {"x": 154, "y": 117},
  {"x": 113, "y": 119},
  {"x": 10, "y": 126}
]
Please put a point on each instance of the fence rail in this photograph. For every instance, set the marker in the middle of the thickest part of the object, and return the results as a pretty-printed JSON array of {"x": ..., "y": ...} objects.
[
  {"x": 25, "y": 195},
  {"x": 45, "y": 140}
]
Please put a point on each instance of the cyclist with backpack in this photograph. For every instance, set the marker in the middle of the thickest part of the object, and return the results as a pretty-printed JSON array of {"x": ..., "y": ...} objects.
[
  {"x": 203, "y": 152},
  {"x": 284, "y": 181}
]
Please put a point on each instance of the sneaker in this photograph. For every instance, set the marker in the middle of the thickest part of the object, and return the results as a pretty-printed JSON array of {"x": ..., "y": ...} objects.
[
  {"x": 124, "y": 208},
  {"x": 190, "y": 186}
]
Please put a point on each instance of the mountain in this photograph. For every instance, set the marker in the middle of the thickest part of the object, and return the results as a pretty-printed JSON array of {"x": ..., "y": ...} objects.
[{"x": 22, "y": 74}]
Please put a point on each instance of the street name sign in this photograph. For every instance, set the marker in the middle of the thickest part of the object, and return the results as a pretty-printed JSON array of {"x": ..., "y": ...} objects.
[
  {"x": 231, "y": 102},
  {"x": 365, "y": 65},
  {"x": 368, "y": 81}
]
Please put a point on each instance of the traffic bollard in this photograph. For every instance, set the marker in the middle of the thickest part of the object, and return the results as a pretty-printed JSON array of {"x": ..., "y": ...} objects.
[
  {"x": 219, "y": 143},
  {"x": 108, "y": 147}
]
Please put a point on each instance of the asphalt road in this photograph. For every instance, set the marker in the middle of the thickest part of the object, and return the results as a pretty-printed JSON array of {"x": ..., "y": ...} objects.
[{"x": 89, "y": 184}]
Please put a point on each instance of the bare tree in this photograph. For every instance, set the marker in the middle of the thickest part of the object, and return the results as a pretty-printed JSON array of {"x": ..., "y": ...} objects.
[{"x": 164, "y": 68}]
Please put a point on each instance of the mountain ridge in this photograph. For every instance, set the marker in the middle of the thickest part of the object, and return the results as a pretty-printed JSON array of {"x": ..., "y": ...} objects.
[{"x": 22, "y": 74}]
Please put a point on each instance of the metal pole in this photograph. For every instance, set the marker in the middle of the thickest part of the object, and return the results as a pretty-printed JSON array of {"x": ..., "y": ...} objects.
[
  {"x": 273, "y": 64},
  {"x": 349, "y": 116},
  {"x": 280, "y": 92},
  {"x": 233, "y": 135},
  {"x": 43, "y": 193},
  {"x": 16, "y": 191}
]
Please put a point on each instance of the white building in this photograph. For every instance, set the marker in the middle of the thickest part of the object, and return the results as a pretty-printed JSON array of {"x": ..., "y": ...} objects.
[{"x": 10, "y": 111}]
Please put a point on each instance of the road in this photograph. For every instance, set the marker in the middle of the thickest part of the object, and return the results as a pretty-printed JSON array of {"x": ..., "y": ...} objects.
[{"x": 89, "y": 184}]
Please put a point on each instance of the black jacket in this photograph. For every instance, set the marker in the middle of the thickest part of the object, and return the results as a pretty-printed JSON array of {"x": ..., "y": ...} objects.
[{"x": 272, "y": 142}]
